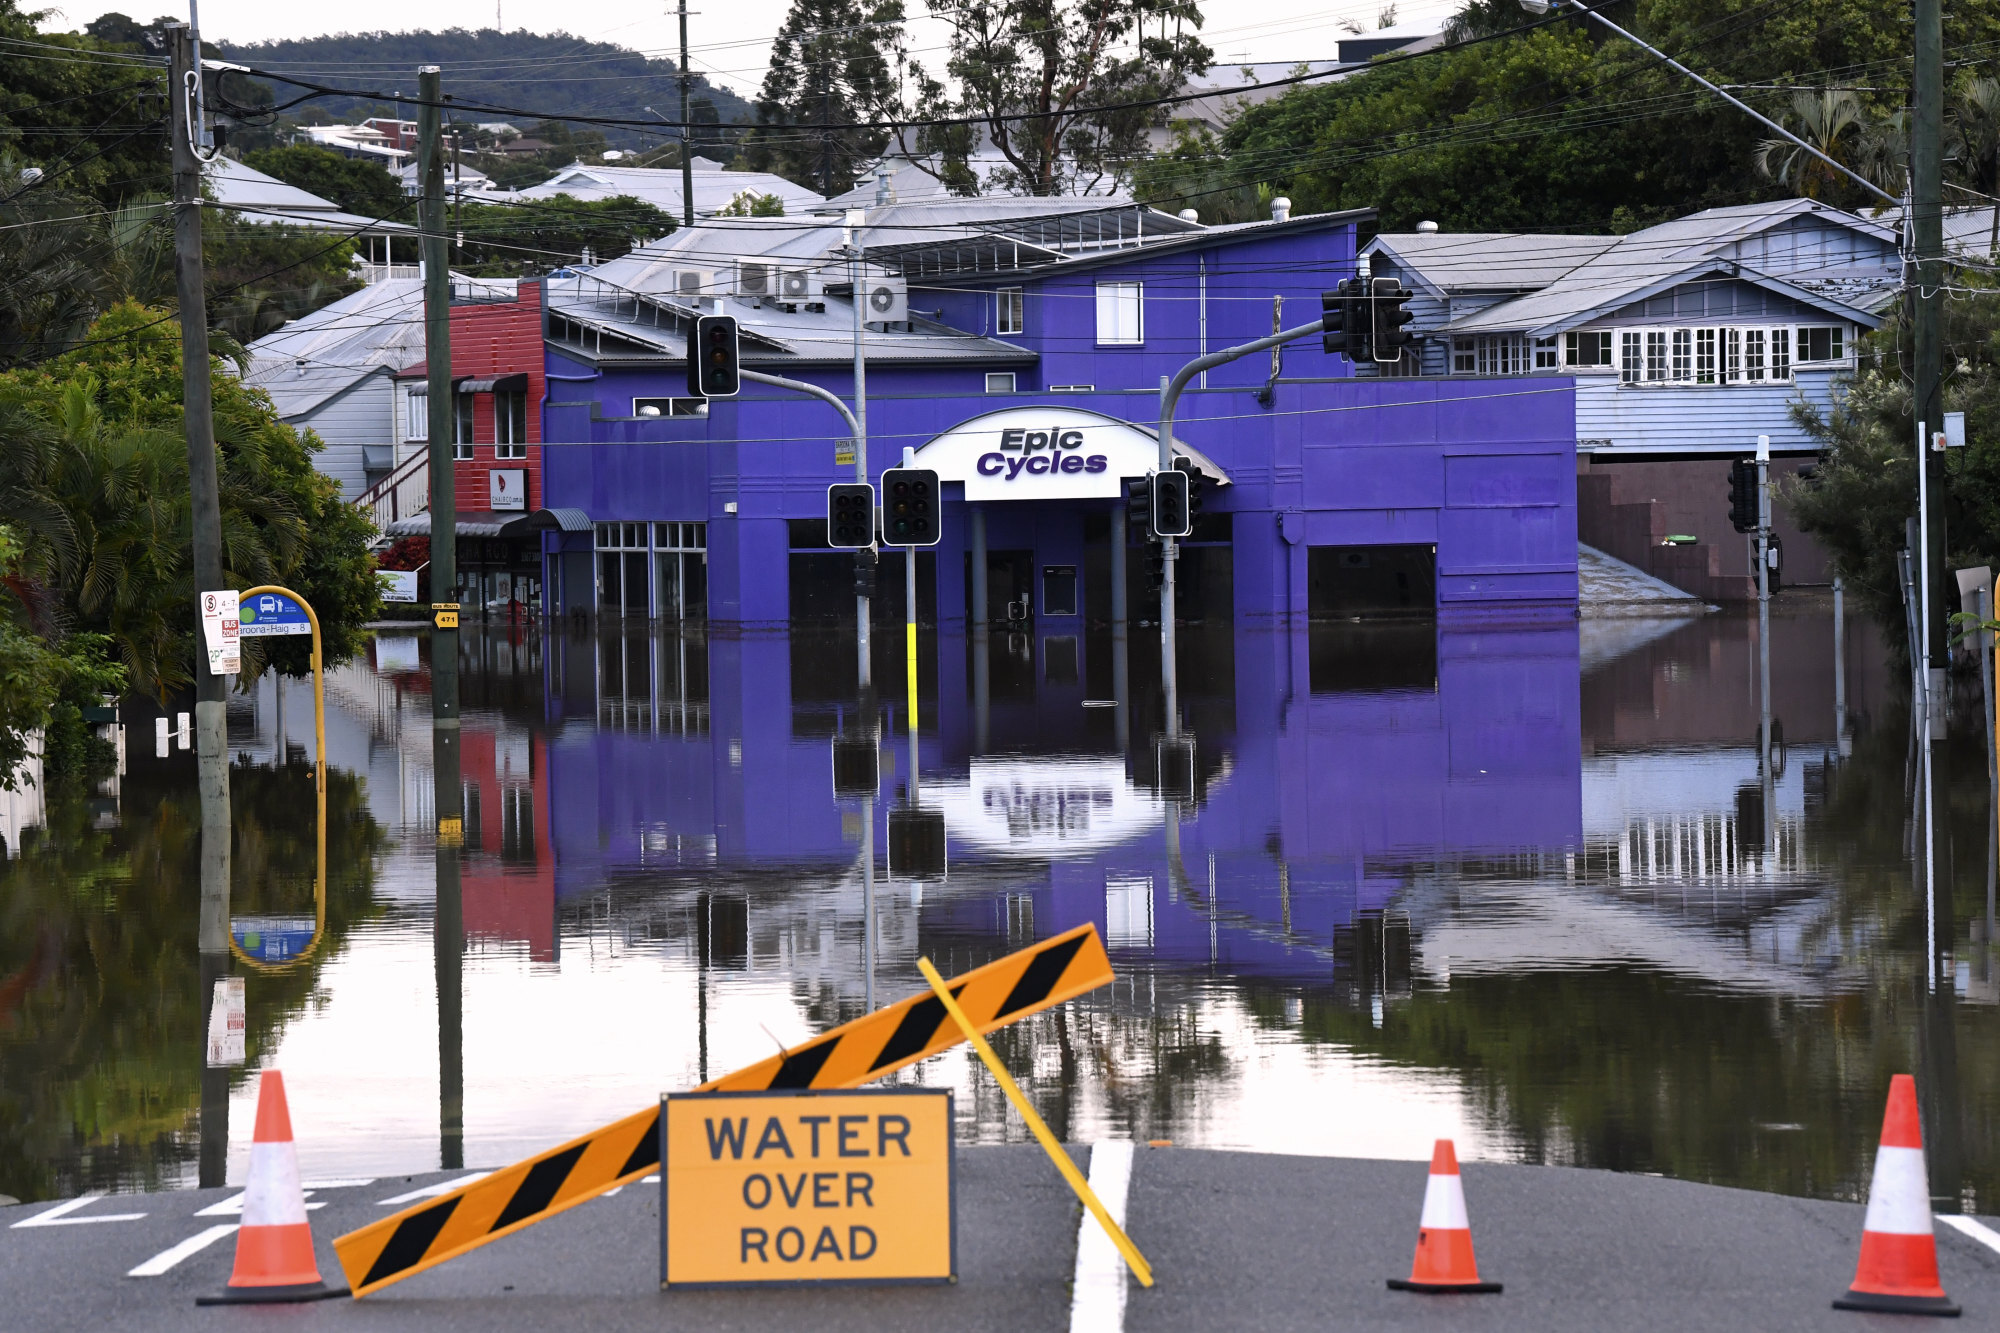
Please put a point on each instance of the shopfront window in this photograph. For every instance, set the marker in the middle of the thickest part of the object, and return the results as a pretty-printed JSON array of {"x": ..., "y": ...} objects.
[{"x": 510, "y": 424}]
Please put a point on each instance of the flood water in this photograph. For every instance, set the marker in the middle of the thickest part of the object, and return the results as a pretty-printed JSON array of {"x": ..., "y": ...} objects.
[{"x": 1526, "y": 887}]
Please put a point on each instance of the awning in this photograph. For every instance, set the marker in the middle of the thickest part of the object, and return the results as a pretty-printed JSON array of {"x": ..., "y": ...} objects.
[
  {"x": 378, "y": 457},
  {"x": 491, "y": 523},
  {"x": 498, "y": 384}
]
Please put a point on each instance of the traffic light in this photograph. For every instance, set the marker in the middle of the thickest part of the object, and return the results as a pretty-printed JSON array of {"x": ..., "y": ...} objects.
[
  {"x": 864, "y": 572},
  {"x": 1197, "y": 488},
  {"x": 1387, "y": 336},
  {"x": 713, "y": 371},
  {"x": 856, "y": 766},
  {"x": 1171, "y": 517},
  {"x": 1344, "y": 310},
  {"x": 1743, "y": 495},
  {"x": 916, "y": 844},
  {"x": 1156, "y": 566},
  {"x": 910, "y": 507},
  {"x": 1774, "y": 558},
  {"x": 1138, "y": 509},
  {"x": 850, "y": 515}
]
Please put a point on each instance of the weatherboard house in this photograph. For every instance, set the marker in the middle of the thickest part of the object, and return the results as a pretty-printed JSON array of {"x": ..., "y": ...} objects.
[{"x": 1019, "y": 347}]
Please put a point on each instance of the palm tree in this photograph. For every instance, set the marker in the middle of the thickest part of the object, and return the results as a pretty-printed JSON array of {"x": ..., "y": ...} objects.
[
  {"x": 1972, "y": 147},
  {"x": 1824, "y": 120}
]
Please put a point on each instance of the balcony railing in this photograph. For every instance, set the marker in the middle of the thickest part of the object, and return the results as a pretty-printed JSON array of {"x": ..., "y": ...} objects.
[{"x": 405, "y": 491}]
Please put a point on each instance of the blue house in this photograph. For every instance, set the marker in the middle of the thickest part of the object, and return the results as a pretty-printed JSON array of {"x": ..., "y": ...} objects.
[
  {"x": 1019, "y": 346},
  {"x": 1686, "y": 341}
]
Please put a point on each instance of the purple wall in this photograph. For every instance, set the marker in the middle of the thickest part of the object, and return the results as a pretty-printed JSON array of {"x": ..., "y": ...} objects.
[{"x": 1484, "y": 469}]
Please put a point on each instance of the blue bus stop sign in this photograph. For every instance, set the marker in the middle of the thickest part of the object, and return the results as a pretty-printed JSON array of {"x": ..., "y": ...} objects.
[
  {"x": 273, "y": 939},
  {"x": 272, "y": 613}
]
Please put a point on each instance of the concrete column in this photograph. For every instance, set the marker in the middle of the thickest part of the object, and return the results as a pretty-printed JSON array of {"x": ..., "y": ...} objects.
[{"x": 1118, "y": 609}]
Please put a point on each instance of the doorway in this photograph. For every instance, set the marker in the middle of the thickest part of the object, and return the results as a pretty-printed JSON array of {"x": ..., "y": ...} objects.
[{"x": 1010, "y": 586}]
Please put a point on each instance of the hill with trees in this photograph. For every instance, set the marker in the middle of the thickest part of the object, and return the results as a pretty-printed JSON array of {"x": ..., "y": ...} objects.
[{"x": 551, "y": 74}]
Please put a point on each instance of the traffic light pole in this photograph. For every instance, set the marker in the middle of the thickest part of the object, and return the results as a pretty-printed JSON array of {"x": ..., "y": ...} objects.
[
  {"x": 1769, "y": 778},
  {"x": 1170, "y": 394}
]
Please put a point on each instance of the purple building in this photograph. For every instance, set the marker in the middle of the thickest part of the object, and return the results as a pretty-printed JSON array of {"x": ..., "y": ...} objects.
[{"x": 1018, "y": 346}]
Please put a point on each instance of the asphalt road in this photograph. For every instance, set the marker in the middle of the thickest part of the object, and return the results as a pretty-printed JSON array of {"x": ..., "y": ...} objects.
[{"x": 1237, "y": 1240}]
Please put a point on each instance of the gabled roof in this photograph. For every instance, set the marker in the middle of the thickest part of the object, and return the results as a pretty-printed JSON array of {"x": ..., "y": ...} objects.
[
  {"x": 1688, "y": 249},
  {"x": 265, "y": 199},
  {"x": 1450, "y": 263},
  {"x": 714, "y": 188}
]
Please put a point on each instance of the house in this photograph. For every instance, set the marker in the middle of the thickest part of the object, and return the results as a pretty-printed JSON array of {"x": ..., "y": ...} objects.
[
  {"x": 364, "y": 142},
  {"x": 265, "y": 200},
  {"x": 999, "y": 328},
  {"x": 1686, "y": 342},
  {"x": 714, "y": 188},
  {"x": 459, "y": 178}
]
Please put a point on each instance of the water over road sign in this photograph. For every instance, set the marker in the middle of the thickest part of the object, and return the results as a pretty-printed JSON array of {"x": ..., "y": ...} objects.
[
  {"x": 807, "y": 1187},
  {"x": 270, "y": 613}
]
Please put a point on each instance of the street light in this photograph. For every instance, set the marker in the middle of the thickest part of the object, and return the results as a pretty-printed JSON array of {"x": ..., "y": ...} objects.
[{"x": 1551, "y": 6}]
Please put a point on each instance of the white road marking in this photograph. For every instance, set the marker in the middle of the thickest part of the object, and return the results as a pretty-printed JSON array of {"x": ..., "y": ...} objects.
[
  {"x": 1979, "y": 1231},
  {"x": 1097, "y": 1303},
  {"x": 233, "y": 1206},
  {"x": 432, "y": 1191},
  {"x": 194, "y": 1244},
  {"x": 613, "y": 1193},
  {"x": 339, "y": 1184},
  {"x": 58, "y": 1216},
  {"x": 650, "y": 1180}
]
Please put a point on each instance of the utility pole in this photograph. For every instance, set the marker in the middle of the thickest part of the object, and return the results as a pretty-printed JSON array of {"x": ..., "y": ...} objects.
[
  {"x": 211, "y": 750},
  {"x": 687, "y": 146},
  {"x": 1926, "y": 247},
  {"x": 448, "y": 943}
]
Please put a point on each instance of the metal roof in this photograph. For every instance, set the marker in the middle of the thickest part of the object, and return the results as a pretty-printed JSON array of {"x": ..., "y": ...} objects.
[
  {"x": 265, "y": 199},
  {"x": 1486, "y": 261},
  {"x": 714, "y": 188},
  {"x": 1685, "y": 250}
]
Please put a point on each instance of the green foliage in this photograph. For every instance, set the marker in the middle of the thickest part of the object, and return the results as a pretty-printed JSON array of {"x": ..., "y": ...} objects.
[
  {"x": 499, "y": 240},
  {"x": 93, "y": 126},
  {"x": 1562, "y": 128},
  {"x": 1865, "y": 484},
  {"x": 750, "y": 204},
  {"x": 362, "y": 188},
  {"x": 260, "y": 275},
  {"x": 95, "y": 482},
  {"x": 45, "y": 688},
  {"x": 833, "y": 62}
]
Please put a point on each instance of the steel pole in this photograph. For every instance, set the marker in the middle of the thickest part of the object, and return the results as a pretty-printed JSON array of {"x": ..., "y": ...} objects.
[{"x": 1770, "y": 777}]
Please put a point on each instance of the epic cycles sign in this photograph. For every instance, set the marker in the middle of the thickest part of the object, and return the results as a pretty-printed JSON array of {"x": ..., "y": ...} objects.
[{"x": 1042, "y": 453}]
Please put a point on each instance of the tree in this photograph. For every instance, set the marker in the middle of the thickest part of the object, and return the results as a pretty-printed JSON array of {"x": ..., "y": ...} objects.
[
  {"x": 833, "y": 63},
  {"x": 358, "y": 187},
  {"x": 1865, "y": 484},
  {"x": 1050, "y": 83},
  {"x": 536, "y": 235},
  {"x": 1827, "y": 121},
  {"x": 88, "y": 123},
  {"x": 94, "y": 482}
]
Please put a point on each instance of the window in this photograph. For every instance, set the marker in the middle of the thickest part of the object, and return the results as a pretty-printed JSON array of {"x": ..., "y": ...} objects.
[
  {"x": 1704, "y": 356},
  {"x": 461, "y": 428},
  {"x": 680, "y": 560},
  {"x": 1000, "y": 381},
  {"x": 1589, "y": 348},
  {"x": 1781, "y": 354},
  {"x": 1545, "y": 354},
  {"x": 1753, "y": 354},
  {"x": 670, "y": 407},
  {"x": 1072, "y": 388},
  {"x": 417, "y": 414},
  {"x": 1010, "y": 312},
  {"x": 1732, "y": 355},
  {"x": 1629, "y": 363},
  {"x": 1120, "y": 318},
  {"x": 1656, "y": 354},
  {"x": 1821, "y": 344},
  {"x": 1682, "y": 368},
  {"x": 1503, "y": 354},
  {"x": 510, "y": 424},
  {"x": 1464, "y": 356}
]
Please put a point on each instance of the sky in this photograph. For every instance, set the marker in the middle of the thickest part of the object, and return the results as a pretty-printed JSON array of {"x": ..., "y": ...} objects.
[{"x": 730, "y": 41}]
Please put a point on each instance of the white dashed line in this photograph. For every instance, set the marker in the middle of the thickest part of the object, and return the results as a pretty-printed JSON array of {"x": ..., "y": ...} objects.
[
  {"x": 1979, "y": 1231},
  {"x": 233, "y": 1206},
  {"x": 194, "y": 1244},
  {"x": 432, "y": 1191},
  {"x": 58, "y": 1216},
  {"x": 1097, "y": 1304}
]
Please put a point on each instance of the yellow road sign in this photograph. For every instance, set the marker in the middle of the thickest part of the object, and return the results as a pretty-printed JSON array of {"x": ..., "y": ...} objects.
[
  {"x": 1002, "y": 992},
  {"x": 447, "y": 619},
  {"x": 807, "y": 1187}
]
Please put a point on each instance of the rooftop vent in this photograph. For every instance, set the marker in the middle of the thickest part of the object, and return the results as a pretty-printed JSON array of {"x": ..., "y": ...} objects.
[
  {"x": 1281, "y": 209},
  {"x": 1426, "y": 228},
  {"x": 1189, "y": 215}
]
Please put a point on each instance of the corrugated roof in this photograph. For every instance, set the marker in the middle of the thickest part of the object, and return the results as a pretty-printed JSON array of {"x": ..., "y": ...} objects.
[
  {"x": 1683, "y": 250},
  {"x": 1488, "y": 261},
  {"x": 661, "y": 187}
]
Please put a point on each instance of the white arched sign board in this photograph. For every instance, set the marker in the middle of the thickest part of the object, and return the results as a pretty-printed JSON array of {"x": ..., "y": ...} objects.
[{"x": 1042, "y": 453}]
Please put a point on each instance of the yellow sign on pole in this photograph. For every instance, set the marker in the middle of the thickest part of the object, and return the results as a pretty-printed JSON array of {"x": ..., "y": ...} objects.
[{"x": 760, "y": 1187}]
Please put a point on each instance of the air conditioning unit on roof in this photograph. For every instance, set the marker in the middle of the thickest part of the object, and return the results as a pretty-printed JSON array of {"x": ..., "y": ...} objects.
[
  {"x": 795, "y": 284},
  {"x": 756, "y": 280},
  {"x": 692, "y": 283},
  {"x": 888, "y": 298}
]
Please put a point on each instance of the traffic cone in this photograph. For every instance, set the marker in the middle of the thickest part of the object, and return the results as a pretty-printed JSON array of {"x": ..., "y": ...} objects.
[
  {"x": 1898, "y": 1272},
  {"x": 274, "y": 1245},
  {"x": 1444, "y": 1259}
]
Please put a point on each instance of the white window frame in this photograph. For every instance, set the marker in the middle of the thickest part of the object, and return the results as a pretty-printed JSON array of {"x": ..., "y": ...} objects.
[
  {"x": 1010, "y": 310},
  {"x": 505, "y": 447},
  {"x": 1603, "y": 350},
  {"x": 1716, "y": 354},
  {"x": 464, "y": 413},
  {"x": 1000, "y": 381},
  {"x": 1840, "y": 338},
  {"x": 417, "y": 415},
  {"x": 673, "y": 407},
  {"x": 1121, "y": 314}
]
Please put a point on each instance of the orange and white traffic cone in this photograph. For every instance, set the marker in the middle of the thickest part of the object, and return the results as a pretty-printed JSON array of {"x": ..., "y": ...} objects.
[
  {"x": 274, "y": 1245},
  {"x": 1444, "y": 1259},
  {"x": 1898, "y": 1272}
]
